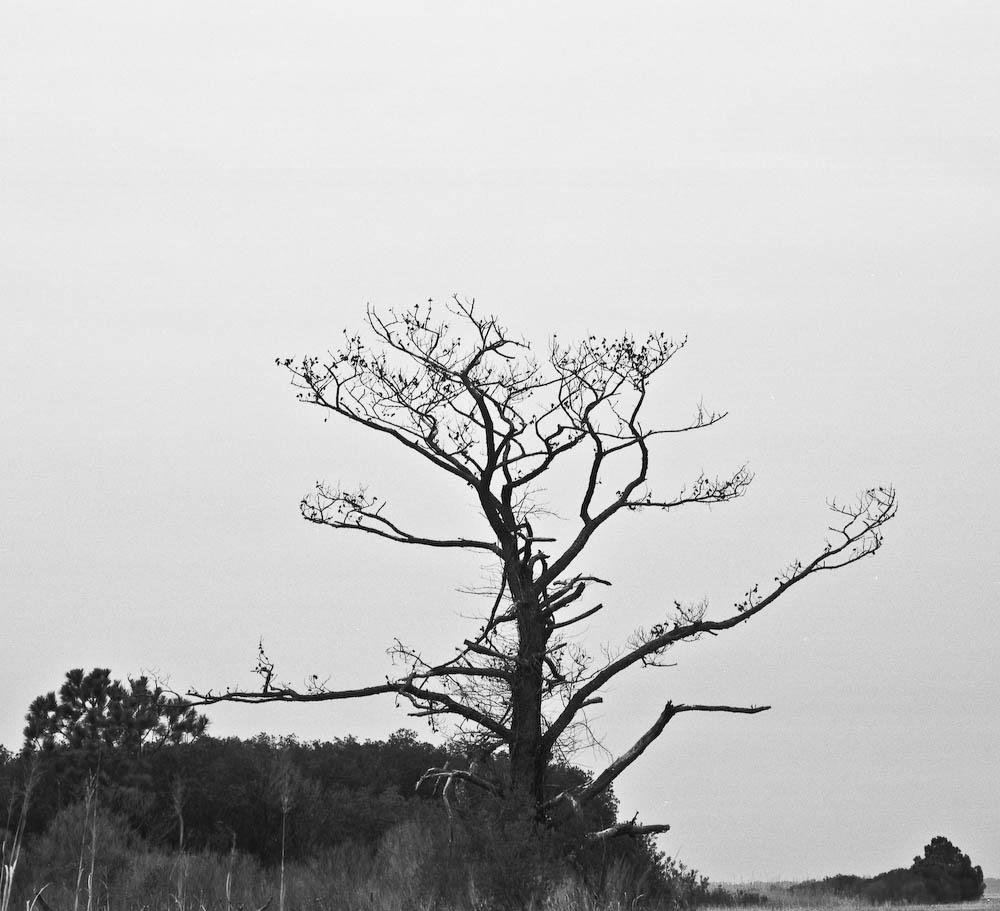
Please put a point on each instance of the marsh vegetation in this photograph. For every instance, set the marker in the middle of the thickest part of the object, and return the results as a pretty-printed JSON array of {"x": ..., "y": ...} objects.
[{"x": 230, "y": 825}]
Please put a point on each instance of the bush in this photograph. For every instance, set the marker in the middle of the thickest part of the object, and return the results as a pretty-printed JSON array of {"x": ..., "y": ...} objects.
[
  {"x": 83, "y": 852},
  {"x": 944, "y": 874},
  {"x": 947, "y": 873}
]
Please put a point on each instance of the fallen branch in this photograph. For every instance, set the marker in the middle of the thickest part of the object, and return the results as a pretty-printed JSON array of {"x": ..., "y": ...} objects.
[{"x": 631, "y": 828}]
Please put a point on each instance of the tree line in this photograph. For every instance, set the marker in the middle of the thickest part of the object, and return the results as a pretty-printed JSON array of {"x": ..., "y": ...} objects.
[{"x": 137, "y": 764}]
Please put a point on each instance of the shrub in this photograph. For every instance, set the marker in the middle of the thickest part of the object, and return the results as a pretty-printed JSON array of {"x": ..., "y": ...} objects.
[
  {"x": 947, "y": 873},
  {"x": 82, "y": 853}
]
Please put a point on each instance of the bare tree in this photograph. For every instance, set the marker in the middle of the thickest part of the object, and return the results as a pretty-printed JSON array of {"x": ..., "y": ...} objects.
[{"x": 473, "y": 401}]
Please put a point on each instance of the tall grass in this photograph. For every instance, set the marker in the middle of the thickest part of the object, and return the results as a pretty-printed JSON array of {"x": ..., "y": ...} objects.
[
  {"x": 13, "y": 839},
  {"x": 414, "y": 867},
  {"x": 90, "y": 860},
  {"x": 789, "y": 896},
  {"x": 409, "y": 870}
]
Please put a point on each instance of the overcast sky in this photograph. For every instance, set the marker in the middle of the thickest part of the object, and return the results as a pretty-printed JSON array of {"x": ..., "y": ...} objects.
[{"x": 809, "y": 191}]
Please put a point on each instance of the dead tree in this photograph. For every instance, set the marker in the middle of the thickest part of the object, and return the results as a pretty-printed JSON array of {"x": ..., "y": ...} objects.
[{"x": 475, "y": 403}]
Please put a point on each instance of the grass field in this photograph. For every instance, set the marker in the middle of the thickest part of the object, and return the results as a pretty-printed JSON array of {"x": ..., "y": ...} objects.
[
  {"x": 778, "y": 896},
  {"x": 104, "y": 871},
  {"x": 203, "y": 883}
]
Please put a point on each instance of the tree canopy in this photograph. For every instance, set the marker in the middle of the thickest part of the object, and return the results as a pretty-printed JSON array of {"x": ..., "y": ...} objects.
[
  {"x": 93, "y": 711},
  {"x": 947, "y": 873}
]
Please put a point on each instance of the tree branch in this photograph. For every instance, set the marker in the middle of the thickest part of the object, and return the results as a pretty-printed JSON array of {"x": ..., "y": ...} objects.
[
  {"x": 435, "y": 774},
  {"x": 402, "y": 688},
  {"x": 578, "y": 617},
  {"x": 631, "y": 828},
  {"x": 603, "y": 781},
  {"x": 861, "y": 537},
  {"x": 358, "y": 512}
]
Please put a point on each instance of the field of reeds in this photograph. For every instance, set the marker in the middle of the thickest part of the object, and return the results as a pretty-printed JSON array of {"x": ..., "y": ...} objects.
[
  {"x": 280, "y": 826},
  {"x": 786, "y": 897},
  {"x": 87, "y": 864},
  {"x": 242, "y": 826}
]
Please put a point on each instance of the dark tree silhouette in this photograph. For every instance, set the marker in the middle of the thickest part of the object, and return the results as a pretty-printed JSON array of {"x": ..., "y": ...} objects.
[
  {"x": 947, "y": 873},
  {"x": 474, "y": 402},
  {"x": 98, "y": 731},
  {"x": 943, "y": 875},
  {"x": 92, "y": 712}
]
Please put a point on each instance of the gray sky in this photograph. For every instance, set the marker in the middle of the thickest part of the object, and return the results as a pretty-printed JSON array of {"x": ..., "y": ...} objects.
[{"x": 809, "y": 191}]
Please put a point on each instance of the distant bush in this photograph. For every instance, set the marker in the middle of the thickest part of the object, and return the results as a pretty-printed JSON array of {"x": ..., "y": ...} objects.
[
  {"x": 720, "y": 897},
  {"x": 896, "y": 886},
  {"x": 943, "y": 874},
  {"x": 947, "y": 873}
]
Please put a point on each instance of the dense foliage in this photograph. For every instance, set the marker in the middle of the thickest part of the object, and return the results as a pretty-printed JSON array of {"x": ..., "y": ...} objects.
[
  {"x": 267, "y": 798},
  {"x": 98, "y": 732},
  {"x": 942, "y": 874},
  {"x": 123, "y": 778},
  {"x": 93, "y": 713},
  {"x": 947, "y": 873}
]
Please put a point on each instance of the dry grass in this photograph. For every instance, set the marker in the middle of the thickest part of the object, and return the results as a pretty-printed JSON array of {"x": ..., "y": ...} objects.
[
  {"x": 413, "y": 868},
  {"x": 348, "y": 879},
  {"x": 778, "y": 897}
]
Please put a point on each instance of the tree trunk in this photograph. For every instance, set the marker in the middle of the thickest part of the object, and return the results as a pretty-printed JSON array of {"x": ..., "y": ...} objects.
[{"x": 527, "y": 761}]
